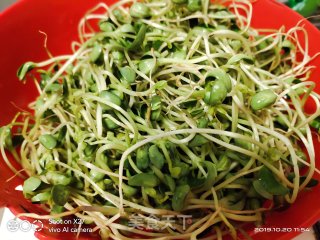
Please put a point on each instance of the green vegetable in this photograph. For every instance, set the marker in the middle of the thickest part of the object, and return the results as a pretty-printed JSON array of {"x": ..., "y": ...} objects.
[
  {"x": 198, "y": 141},
  {"x": 60, "y": 194},
  {"x": 263, "y": 99},
  {"x": 194, "y": 5},
  {"x": 61, "y": 135},
  {"x": 203, "y": 122},
  {"x": 301, "y": 155},
  {"x": 41, "y": 197},
  {"x": 31, "y": 184},
  {"x": 24, "y": 69},
  {"x": 220, "y": 75},
  {"x": 139, "y": 10},
  {"x": 129, "y": 191},
  {"x": 117, "y": 57},
  {"x": 96, "y": 53},
  {"x": 142, "y": 158},
  {"x": 179, "y": 197},
  {"x": 243, "y": 143},
  {"x": 181, "y": 169},
  {"x": 110, "y": 124},
  {"x": 211, "y": 175},
  {"x": 56, "y": 209},
  {"x": 179, "y": 1},
  {"x": 119, "y": 15},
  {"x": 216, "y": 92},
  {"x": 274, "y": 154},
  {"x": 170, "y": 182},
  {"x": 305, "y": 7},
  {"x": 96, "y": 176},
  {"x": 156, "y": 157},
  {"x": 267, "y": 185},
  {"x": 89, "y": 150},
  {"x": 48, "y": 141},
  {"x": 224, "y": 163},
  {"x": 7, "y": 136},
  {"x": 147, "y": 66},
  {"x": 233, "y": 201},
  {"x": 136, "y": 44},
  {"x": 181, "y": 54},
  {"x": 316, "y": 123},
  {"x": 128, "y": 74},
  {"x": 55, "y": 87},
  {"x": 155, "y": 108},
  {"x": 259, "y": 188},
  {"x": 144, "y": 180},
  {"x": 106, "y": 26},
  {"x": 127, "y": 28},
  {"x": 58, "y": 178},
  {"x": 240, "y": 57},
  {"x": 109, "y": 97}
]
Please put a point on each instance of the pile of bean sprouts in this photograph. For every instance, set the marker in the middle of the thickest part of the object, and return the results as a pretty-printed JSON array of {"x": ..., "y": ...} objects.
[{"x": 167, "y": 108}]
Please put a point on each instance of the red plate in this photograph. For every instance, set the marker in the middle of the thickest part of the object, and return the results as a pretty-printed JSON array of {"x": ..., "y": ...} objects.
[{"x": 21, "y": 41}]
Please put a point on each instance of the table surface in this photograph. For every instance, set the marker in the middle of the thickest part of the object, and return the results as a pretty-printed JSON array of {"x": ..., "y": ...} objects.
[{"x": 6, "y": 3}]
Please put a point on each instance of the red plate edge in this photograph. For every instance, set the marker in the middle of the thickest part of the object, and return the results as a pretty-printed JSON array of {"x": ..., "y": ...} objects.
[{"x": 280, "y": 16}]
